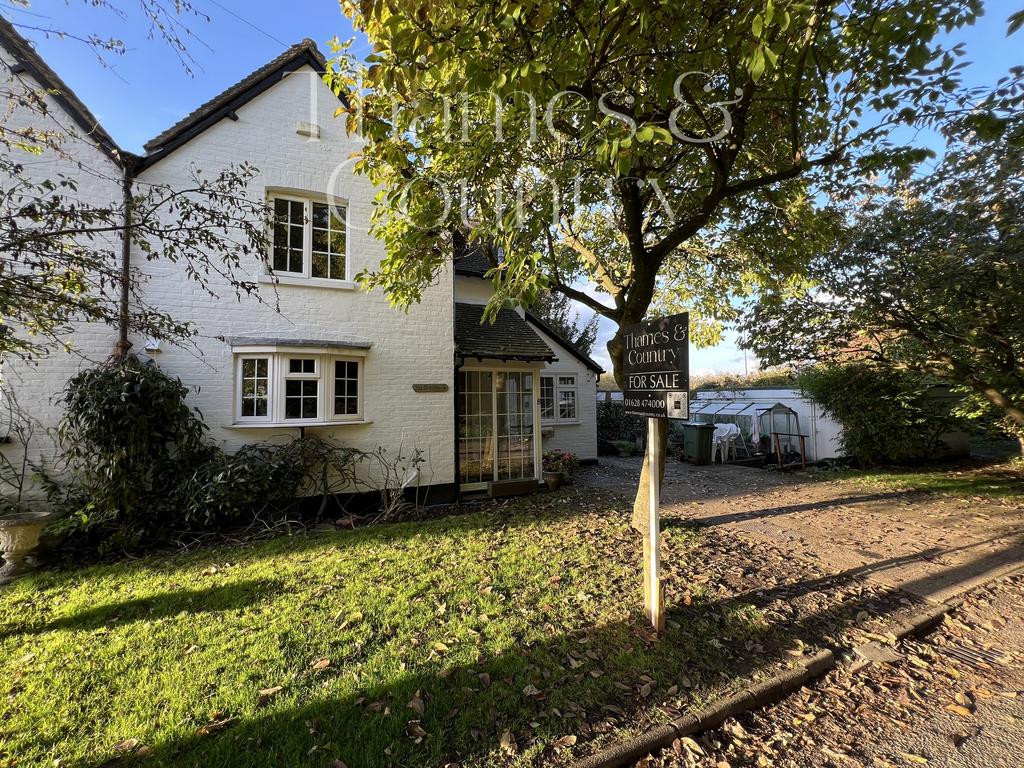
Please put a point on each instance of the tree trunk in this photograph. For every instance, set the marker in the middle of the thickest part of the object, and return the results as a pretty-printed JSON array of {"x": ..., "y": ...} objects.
[{"x": 1014, "y": 413}]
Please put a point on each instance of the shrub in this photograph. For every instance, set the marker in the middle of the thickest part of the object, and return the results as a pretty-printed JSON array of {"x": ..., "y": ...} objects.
[
  {"x": 614, "y": 424},
  {"x": 887, "y": 416},
  {"x": 127, "y": 439}
]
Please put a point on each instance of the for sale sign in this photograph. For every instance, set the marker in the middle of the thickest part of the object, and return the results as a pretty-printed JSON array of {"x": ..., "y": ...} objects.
[{"x": 656, "y": 364}]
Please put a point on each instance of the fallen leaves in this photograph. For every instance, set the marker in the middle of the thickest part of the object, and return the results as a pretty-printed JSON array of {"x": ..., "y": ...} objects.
[
  {"x": 320, "y": 664},
  {"x": 416, "y": 704},
  {"x": 216, "y": 725},
  {"x": 264, "y": 696}
]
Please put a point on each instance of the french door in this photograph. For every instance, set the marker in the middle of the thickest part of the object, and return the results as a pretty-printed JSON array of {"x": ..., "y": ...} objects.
[{"x": 496, "y": 427}]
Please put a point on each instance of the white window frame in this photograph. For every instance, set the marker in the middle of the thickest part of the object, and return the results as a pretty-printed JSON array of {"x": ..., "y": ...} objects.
[
  {"x": 239, "y": 366},
  {"x": 306, "y": 275},
  {"x": 279, "y": 373},
  {"x": 556, "y": 388}
]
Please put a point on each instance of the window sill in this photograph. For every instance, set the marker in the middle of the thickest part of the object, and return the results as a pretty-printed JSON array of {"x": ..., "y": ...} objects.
[
  {"x": 308, "y": 282},
  {"x": 294, "y": 424},
  {"x": 561, "y": 423}
]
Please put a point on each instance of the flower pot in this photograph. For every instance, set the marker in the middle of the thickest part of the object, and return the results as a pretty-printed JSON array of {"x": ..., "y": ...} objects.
[
  {"x": 19, "y": 536},
  {"x": 553, "y": 480}
]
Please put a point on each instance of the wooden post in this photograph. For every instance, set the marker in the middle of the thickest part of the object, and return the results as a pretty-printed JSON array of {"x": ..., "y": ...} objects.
[{"x": 653, "y": 596}]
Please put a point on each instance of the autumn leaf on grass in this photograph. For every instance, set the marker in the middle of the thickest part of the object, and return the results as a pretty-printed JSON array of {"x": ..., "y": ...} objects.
[
  {"x": 416, "y": 703},
  {"x": 215, "y": 726},
  {"x": 415, "y": 731},
  {"x": 564, "y": 742},
  {"x": 266, "y": 694},
  {"x": 508, "y": 743},
  {"x": 126, "y": 746},
  {"x": 320, "y": 664}
]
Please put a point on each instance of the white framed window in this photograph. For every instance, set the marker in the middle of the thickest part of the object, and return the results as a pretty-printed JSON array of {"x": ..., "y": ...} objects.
[
  {"x": 253, "y": 393},
  {"x": 310, "y": 238},
  {"x": 559, "y": 398},
  {"x": 298, "y": 387}
]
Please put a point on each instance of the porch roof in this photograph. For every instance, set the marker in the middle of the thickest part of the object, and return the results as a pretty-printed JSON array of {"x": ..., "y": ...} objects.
[{"x": 509, "y": 337}]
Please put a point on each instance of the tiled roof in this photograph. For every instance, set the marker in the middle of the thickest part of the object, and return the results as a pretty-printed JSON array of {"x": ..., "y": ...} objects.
[
  {"x": 23, "y": 52},
  {"x": 509, "y": 337},
  {"x": 305, "y": 52}
]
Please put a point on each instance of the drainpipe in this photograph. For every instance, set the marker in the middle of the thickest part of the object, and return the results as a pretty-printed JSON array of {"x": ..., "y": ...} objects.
[{"x": 123, "y": 345}]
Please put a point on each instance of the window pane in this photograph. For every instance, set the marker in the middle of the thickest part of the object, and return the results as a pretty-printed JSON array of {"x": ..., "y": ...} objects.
[
  {"x": 337, "y": 267},
  {"x": 295, "y": 237},
  {"x": 319, "y": 239},
  {"x": 301, "y": 365},
  {"x": 567, "y": 404},
  {"x": 298, "y": 214},
  {"x": 280, "y": 259},
  {"x": 295, "y": 261},
  {"x": 319, "y": 215},
  {"x": 567, "y": 381},
  {"x": 337, "y": 242},
  {"x": 319, "y": 266},
  {"x": 346, "y": 388},
  {"x": 255, "y": 387},
  {"x": 547, "y": 397}
]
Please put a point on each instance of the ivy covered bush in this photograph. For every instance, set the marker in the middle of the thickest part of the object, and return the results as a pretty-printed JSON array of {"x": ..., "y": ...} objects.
[{"x": 888, "y": 417}]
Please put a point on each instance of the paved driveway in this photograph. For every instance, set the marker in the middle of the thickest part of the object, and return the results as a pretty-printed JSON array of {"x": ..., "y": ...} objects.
[{"x": 932, "y": 545}]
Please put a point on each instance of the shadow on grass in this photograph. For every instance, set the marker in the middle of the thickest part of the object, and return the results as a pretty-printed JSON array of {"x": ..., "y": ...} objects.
[
  {"x": 158, "y": 606},
  {"x": 588, "y": 684}
]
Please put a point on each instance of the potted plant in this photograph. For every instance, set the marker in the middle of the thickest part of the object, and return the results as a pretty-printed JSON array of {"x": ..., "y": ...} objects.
[
  {"x": 557, "y": 466},
  {"x": 20, "y": 525}
]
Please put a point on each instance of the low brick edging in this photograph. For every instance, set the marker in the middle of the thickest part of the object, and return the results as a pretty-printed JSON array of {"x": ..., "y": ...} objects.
[{"x": 757, "y": 695}]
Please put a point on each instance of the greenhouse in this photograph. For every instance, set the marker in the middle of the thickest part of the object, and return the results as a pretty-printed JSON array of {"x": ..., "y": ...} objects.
[{"x": 757, "y": 421}]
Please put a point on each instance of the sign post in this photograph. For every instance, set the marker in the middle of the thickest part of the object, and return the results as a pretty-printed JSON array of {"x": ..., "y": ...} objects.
[{"x": 657, "y": 374}]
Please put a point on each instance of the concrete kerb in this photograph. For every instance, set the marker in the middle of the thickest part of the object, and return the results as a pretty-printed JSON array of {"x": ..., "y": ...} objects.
[{"x": 757, "y": 695}]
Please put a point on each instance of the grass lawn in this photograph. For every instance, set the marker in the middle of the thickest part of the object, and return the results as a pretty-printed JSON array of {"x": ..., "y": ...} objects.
[
  {"x": 995, "y": 481},
  {"x": 491, "y": 638}
]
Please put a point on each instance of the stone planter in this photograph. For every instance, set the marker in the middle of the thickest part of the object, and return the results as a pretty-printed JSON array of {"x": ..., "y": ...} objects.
[
  {"x": 19, "y": 536},
  {"x": 553, "y": 480}
]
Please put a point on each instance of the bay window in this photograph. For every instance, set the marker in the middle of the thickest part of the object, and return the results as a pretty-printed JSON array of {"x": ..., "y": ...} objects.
[{"x": 298, "y": 387}]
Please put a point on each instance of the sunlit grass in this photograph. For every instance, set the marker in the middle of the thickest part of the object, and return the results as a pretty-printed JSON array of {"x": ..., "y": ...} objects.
[{"x": 481, "y": 639}]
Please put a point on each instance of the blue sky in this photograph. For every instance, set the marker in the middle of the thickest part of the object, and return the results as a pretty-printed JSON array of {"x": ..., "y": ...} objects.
[{"x": 139, "y": 94}]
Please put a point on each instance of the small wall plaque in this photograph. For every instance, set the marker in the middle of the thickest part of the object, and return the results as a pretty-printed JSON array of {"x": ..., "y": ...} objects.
[{"x": 430, "y": 387}]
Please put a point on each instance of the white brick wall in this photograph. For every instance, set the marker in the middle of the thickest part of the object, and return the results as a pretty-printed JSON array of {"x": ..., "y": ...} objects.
[
  {"x": 98, "y": 178},
  {"x": 407, "y": 348}
]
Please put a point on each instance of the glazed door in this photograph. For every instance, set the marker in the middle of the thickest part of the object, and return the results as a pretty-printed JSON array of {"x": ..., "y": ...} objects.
[{"x": 496, "y": 427}]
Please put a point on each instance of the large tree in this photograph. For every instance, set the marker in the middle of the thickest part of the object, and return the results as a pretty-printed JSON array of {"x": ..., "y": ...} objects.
[
  {"x": 928, "y": 274},
  {"x": 632, "y": 144}
]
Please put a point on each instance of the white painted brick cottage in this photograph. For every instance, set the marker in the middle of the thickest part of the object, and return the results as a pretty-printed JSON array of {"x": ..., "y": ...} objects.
[{"x": 479, "y": 400}]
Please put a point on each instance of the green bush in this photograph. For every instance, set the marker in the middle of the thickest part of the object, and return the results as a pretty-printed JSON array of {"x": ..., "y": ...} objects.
[
  {"x": 614, "y": 424},
  {"x": 887, "y": 417}
]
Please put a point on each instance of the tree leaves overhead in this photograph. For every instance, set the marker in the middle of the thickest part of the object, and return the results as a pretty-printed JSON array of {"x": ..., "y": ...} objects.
[{"x": 616, "y": 141}]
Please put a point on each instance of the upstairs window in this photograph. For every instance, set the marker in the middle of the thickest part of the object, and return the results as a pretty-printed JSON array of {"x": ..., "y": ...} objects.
[{"x": 310, "y": 239}]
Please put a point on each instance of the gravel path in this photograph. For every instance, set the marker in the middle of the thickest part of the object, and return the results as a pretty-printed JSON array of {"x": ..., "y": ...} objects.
[
  {"x": 931, "y": 545},
  {"x": 953, "y": 698}
]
